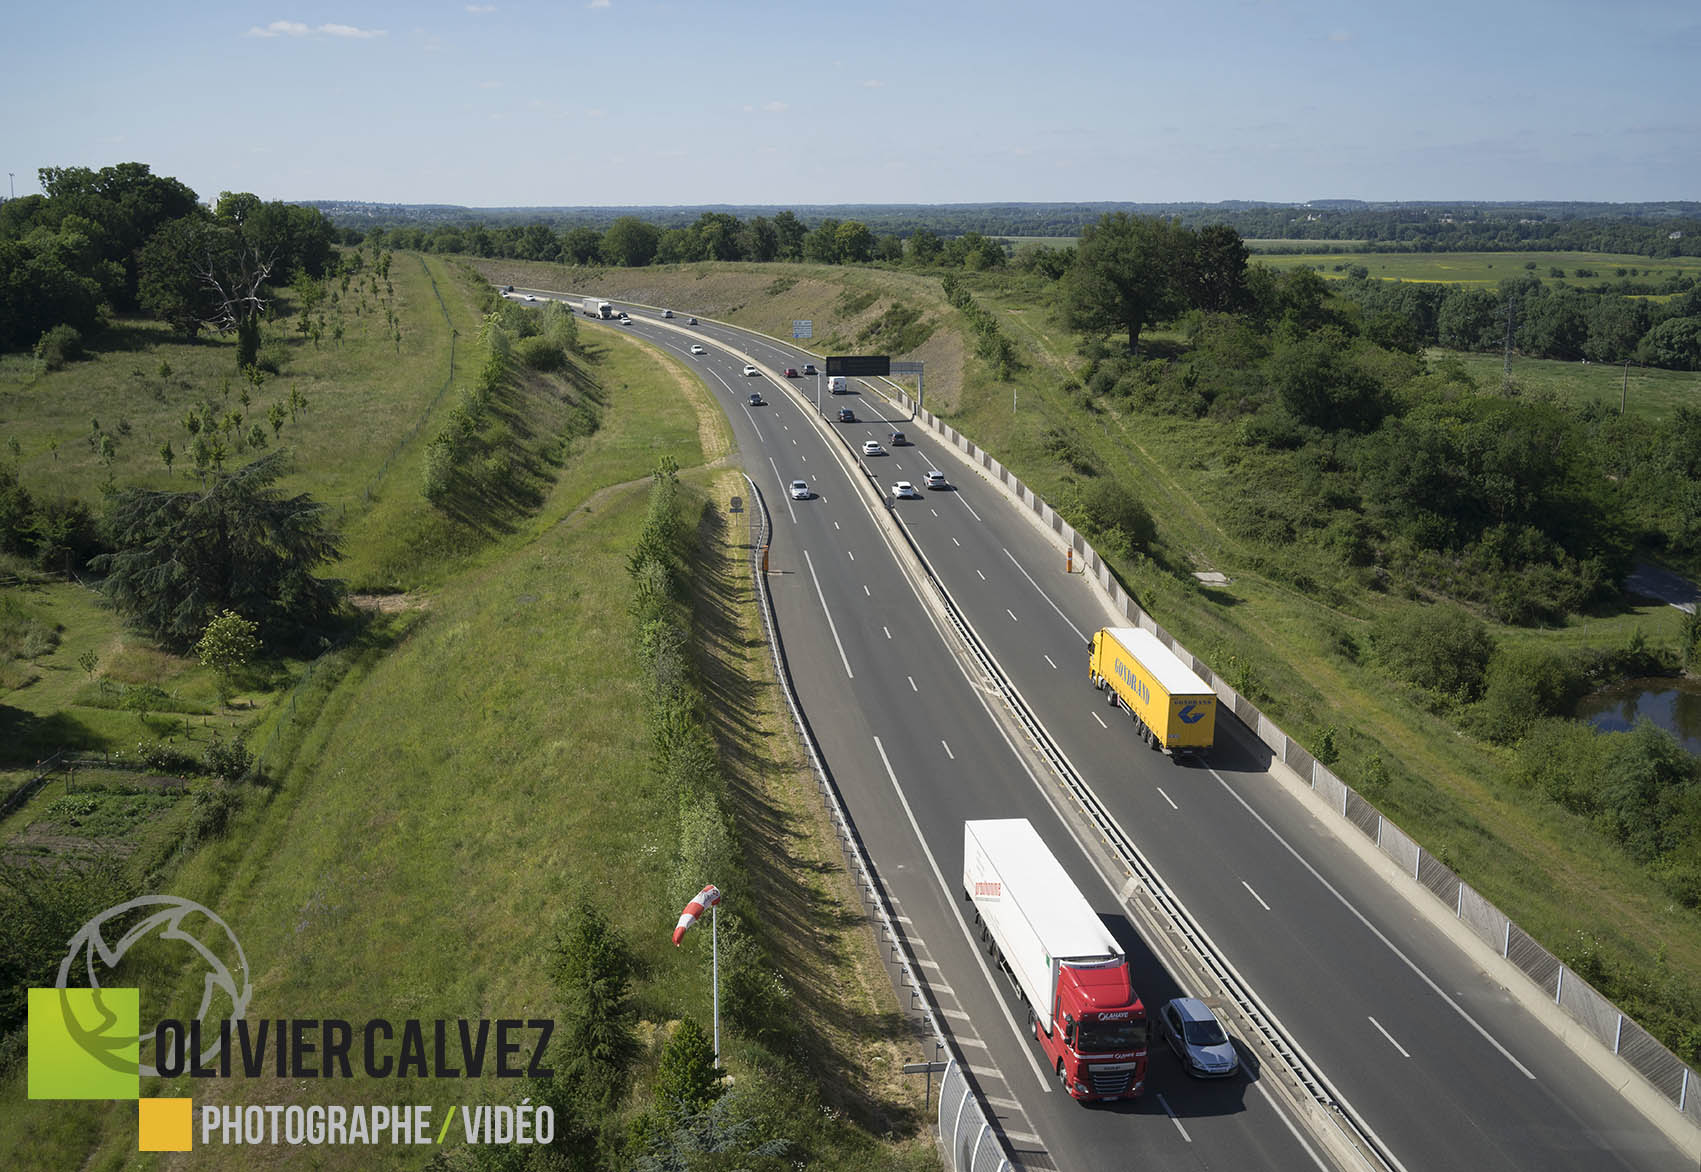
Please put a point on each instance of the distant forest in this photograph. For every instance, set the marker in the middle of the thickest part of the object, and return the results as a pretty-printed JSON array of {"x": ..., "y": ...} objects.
[{"x": 1654, "y": 230}]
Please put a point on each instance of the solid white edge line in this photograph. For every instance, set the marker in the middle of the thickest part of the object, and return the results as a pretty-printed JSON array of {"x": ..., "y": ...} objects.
[
  {"x": 831, "y": 626},
  {"x": 1374, "y": 930},
  {"x": 949, "y": 890},
  {"x": 1403, "y": 1052},
  {"x": 1044, "y": 595}
]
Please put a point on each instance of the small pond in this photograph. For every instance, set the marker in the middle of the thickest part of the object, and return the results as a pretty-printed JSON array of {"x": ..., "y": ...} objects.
[{"x": 1673, "y": 704}]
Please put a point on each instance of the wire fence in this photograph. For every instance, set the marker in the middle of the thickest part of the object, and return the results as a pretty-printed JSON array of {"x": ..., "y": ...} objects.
[
  {"x": 1611, "y": 1027},
  {"x": 966, "y": 1132}
]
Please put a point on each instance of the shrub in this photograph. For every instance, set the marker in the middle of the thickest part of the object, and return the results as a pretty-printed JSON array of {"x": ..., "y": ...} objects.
[
  {"x": 1562, "y": 760},
  {"x": 688, "y": 1079},
  {"x": 164, "y": 758},
  {"x": 272, "y": 357},
  {"x": 214, "y": 806},
  {"x": 1118, "y": 514},
  {"x": 1441, "y": 649},
  {"x": 60, "y": 345},
  {"x": 540, "y": 353},
  {"x": 1523, "y": 685},
  {"x": 228, "y": 760}
]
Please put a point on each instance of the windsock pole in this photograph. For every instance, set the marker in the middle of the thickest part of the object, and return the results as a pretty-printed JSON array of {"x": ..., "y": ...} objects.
[{"x": 715, "y": 973}]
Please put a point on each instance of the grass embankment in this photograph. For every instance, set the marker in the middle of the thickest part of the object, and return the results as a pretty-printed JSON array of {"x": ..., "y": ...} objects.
[
  {"x": 449, "y": 780},
  {"x": 1278, "y": 629}
]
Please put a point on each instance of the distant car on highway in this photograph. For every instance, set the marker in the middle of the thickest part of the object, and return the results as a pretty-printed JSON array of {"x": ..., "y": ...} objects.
[
  {"x": 625, "y": 321},
  {"x": 756, "y": 399},
  {"x": 899, "y": 439},
  {"x": 667, "y": 313},
  {"x": 750, "y": 370},
  {"x": 872, "y": 448},
  {"x": 934, "y": 478},
  {"x": 791, "y": 372},
  {"x": 696, "y": 349},
  {"x": 905, "y": 491},
  {"x": 800, "y": 490},
  {"x": 808, "y": 368},
  {"x": 529, "y": 297},
  {"x": 507, "y": 288},
  {"x": 690, "y": 321},
  {"x": 846, "y": 415},
  {"x": 1197, "y": 1038}
]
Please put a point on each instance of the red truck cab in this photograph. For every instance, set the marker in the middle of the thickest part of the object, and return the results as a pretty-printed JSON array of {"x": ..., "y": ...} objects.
[{"x": 1097, "y": 1045}]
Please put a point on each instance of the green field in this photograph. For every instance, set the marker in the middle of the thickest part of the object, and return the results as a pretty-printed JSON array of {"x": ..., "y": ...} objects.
[
  {"x": 1486, "y": 269},
  {"x": 444, "y": 784},
  {"x": 1642, "y": 389}
]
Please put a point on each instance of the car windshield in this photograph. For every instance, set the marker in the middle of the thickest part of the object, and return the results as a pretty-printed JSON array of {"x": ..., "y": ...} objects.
[
  {"x": 1103, "y": 1037},
  {"x": 1204, "y": 1033}
]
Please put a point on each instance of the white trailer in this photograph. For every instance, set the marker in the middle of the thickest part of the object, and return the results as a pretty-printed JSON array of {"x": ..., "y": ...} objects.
[
  {"x": 597, "y": 307},
  {"x": 1038, "y": 917}
]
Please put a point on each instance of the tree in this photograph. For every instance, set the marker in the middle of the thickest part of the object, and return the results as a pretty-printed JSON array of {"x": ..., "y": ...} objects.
[
  {"x": 924, "y": 246},
  {"x": 761, "y": 241},
  {"x": 181, "y": 558},
  {"x": 630, "y": 242},
  {"x": 593, "y": 969},
  {"x": 579, "y": 246},
  {"x": 789, "y": 232},
  {"x": 688, "y": 1079},
  {"x": 822, "y": 245},
  {"x": 1125, "y": 276},
  {"x": 855, "y": 243},
  {"x": 226, "y": 647},
  {"x": 1215, "y": 277}
]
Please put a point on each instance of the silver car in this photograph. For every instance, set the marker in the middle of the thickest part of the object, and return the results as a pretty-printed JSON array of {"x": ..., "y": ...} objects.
[{"x": 1198, "y": 1038}]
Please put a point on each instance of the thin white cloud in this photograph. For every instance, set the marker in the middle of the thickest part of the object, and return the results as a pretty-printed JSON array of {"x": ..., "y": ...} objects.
[
  {"x": 476, "y": 9},
  {"x": 1340, "y": 36},
  {"x": 872, "y": 84},
  {"x": 775, "y": 107},
  {"x": 280, "y": 28},
  {"x": 598, "y": 4},
  {"x": 294, "y": 28}
]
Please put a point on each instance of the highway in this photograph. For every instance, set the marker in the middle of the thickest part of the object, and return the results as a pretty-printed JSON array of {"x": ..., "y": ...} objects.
[{"x": 1445, "y": 1066}]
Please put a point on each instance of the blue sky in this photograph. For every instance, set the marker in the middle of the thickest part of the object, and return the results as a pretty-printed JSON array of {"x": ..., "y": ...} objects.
[{"x": 687, "y": 102}]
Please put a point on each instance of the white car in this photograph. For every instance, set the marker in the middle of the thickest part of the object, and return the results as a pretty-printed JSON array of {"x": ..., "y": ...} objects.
[
  {"x": 695, "y": 349},
  {"x": 750, "y": 370},
  {"x": 800, "y": 490},
  {"x": 872, "y": 448},
  {"x": 934, "y": 478},
  {"x": 529, "y": 297},
  {"x": 905, "y": 491}
]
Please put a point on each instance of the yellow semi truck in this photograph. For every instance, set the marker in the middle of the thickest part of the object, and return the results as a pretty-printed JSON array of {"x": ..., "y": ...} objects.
[{"x": 1173, "y": 709}]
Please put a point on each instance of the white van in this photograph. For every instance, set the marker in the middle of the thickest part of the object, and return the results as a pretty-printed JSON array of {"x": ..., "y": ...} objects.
[{"x": 836, "y": 385}]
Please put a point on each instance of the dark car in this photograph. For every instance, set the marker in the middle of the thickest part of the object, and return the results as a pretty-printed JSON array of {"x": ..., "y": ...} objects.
[
  {"x": 898, "y": 439},
  {"x": 791, "y": 372},
  {"x": 756, "y": 400},
  {"x": 846, "y": 415},
  {"x": 808, "y": 368}
]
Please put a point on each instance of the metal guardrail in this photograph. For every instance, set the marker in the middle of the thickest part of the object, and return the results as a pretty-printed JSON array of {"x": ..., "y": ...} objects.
[{"x": 965, "y": 1131}]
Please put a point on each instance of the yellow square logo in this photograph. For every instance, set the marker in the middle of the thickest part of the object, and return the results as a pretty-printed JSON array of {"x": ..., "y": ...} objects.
[{"x": 165, "y": 1125}]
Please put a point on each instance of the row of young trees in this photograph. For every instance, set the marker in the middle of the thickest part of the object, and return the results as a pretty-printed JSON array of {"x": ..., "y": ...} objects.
[{"x": 123, "y": 240}]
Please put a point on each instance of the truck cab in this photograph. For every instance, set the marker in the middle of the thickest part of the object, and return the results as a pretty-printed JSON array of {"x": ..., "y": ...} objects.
[{"x": 1097, "y": 1043}]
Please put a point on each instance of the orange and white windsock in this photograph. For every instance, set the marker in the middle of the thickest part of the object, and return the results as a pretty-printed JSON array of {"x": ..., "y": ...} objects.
[{"x": 705, "y": 899}]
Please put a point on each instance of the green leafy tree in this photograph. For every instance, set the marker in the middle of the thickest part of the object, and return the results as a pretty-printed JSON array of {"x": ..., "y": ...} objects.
[
  {"x": 630, "y": 242},
  {"x": 181, "y": 558},
  {"x": 822, "y": 244},
  {"x": 228, "y": 645},
  {"x": 924, "y": 246},
  {"x": 854, "y": 242},
  {"x": 1125, "y": 276},
  {"x": 579, "y": 246},
  {"x": 789, "y": 233}
]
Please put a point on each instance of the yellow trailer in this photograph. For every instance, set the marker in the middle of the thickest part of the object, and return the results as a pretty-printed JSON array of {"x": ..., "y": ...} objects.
[{"x": 1173, "y": 708}]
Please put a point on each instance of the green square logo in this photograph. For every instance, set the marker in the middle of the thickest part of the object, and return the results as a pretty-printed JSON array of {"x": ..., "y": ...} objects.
[{"x": 84, "y": 1043}]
